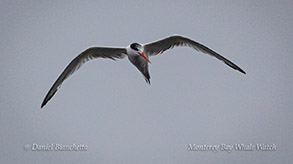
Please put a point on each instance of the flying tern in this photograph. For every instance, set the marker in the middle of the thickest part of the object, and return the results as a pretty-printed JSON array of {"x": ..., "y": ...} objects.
[{"x": 138, "y": 55}]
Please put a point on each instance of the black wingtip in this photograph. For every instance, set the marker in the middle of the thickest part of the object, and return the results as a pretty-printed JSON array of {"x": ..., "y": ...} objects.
[
  {"x": 48, "y": 98},
  {"x": 43, "y": 104},
  {"x": 241, "y": 71},
  {"x": 234, "y": 66}
]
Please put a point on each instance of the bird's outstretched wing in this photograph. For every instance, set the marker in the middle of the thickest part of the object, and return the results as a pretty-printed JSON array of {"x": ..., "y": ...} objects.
[
  {"x": 76, "y": 63},
  {"x": 162, "y": 45}
]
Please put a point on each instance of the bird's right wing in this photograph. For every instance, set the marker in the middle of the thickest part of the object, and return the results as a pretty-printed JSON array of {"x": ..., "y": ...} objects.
[
  {"x": 76, "y": 63},
  {"x": 162, "y": 45}
]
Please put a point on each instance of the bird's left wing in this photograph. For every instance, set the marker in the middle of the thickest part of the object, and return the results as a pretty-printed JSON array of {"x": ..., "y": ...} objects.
[
  {"x": 162, "y": 45},
  {"x": 76, "y": 63}
]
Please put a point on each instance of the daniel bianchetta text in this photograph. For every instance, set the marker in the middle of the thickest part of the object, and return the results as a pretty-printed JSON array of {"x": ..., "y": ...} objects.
[
  {"x": 232, "y": 147},
  {"x": 56, "y": 147}
]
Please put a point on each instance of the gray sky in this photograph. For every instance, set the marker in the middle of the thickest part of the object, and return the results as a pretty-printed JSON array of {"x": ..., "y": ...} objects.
[{"x": 193, "y": 98}]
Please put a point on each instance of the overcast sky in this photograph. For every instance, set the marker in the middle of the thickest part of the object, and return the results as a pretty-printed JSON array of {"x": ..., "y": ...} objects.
[{"x": 193, "y": 98}]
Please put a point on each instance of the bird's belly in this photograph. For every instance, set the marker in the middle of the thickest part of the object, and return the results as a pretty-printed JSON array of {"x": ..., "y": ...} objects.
[{"x": 136, "y": 59}]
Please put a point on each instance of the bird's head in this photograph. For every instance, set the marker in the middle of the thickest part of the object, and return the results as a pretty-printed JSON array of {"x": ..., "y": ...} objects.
[{"x": 138, "y": 49}]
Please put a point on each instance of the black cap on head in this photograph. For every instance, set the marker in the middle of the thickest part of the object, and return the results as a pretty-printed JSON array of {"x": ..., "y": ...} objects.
[{"x": 135, "y": 46}]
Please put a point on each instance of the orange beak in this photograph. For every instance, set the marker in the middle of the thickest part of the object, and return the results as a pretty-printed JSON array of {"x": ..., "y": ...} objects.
[{"x": 144, "y": 56}]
